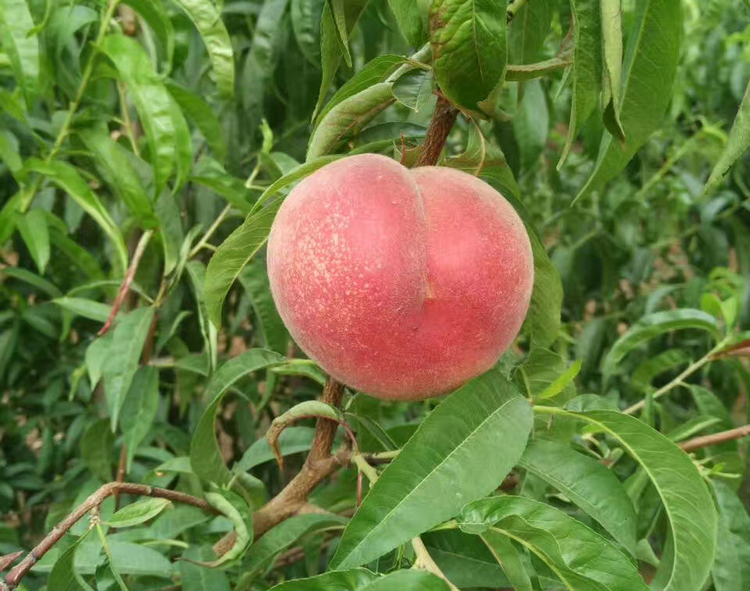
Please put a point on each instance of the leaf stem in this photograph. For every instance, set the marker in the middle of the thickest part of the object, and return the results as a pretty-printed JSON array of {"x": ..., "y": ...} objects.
[{"x": 425, "y": 561}]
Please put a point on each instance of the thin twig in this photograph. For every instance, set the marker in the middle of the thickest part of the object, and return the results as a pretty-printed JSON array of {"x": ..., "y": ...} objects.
[
  {"x": 204, "y": 241},
  {"x": 715, "y": 438},
  {"x": 689, "y": 370},
  {"x": 425, "y": 562},
  {"x": 93, "y": 502},
  {"x": 127, "y": 281}
]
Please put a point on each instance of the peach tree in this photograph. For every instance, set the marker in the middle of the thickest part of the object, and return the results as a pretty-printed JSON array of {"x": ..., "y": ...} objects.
[{"x": 370, "y": 295}]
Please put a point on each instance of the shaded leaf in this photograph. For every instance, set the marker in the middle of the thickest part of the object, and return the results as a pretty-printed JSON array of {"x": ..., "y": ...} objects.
[
  {"x": 139, "y": 409},
  {"x": 205, "y": 455},
  {"x": 588, "y": 484},
  {"x": 412, "y": 18},
  {"x": 648, "y": 74},
  {"x": 35, "y": 234},
  {"x": 123, "y": 356},
  {"x": 234, "y": 253},
  {"x": 572, "y": 550},
  {"x": 97, "y": 449},
  {"x": 285, "y": 535},
  {"x": 69, "y": 180},
  {"x": 691, "y": 513},
  {"x": 654, "y": 325}
]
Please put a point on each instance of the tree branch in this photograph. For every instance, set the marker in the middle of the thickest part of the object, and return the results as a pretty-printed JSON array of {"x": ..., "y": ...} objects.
[
  {"x": 94, "y": 501},
  {"x": 127, "y": 281},
  {"x": 715, "y": 438},
  {"x": 443, "y": 118}
]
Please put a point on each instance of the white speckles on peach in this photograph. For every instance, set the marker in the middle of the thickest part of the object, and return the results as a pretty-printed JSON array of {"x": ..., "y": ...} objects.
[{"x": 348, "y": 257}]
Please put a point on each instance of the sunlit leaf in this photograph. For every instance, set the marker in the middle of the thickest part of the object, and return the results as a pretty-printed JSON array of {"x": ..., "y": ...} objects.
[{"x": 438, "y": 470}]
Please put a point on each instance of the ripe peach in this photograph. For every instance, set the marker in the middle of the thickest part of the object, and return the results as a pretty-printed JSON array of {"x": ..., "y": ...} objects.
[{"x": 401, "y": 283}]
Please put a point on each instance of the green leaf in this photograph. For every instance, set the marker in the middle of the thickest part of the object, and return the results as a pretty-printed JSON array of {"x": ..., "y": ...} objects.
[
  {"x": 509, "y": 558},
  {"x": 199, "y": 578},
  {"x": 531, "y": 124},
  {"x": 562, "y": 381},
  {"x": 469, "y": 48},
  {"x": 121, "y": 364},
  {"x": 22, "y": 48},
  {"x": 611, "y": 13},
  {"x": 731, "y": 568},
  {"x": 448, "y": 462},
  {"x": 649, "y": 72},
  {"x": 351, "y": 580},
  {"x": 284, "y": 535},
  {"x": 660, "y": 363},
  {"x": 234, "y": 253},
  {"x": 212, "y": 174},
  {"x": 138, "y": 513},
  {"x": 565, "y": 544},
  {"x": 64, "y": 576},
  {"x": 85, "y": 307},
  {"x": 117, "y": 168},
  {"x": 738, "y": 143},
  {"x": 203, "y": 116},
  {"x": 306, "y": 16},
  {"x": 207, "y": 20},
  {"x": 205, "y": 455},
  {"x": 158, "y": 19},
  {"x": 69, "y": 180},
  {"x": 134, "y": 559},
  {"x": 197, "y": 273},
  {"x": 588, "y": 484},
  {"x": 153, "y": 102},
  {"x": 528, "y": 30},
  {"x": 331, "y": 44},
  {"x": 258, "y": 70},
  {"x": 168, "y": 213},
  {"x": 408, "y": 580},
  {"x": 374, "y": 72},
  {"x": 348, "y": 118},
  {"x": 587, "y": 68},
  {"x": 293, "y": 440},
  {"x": 412, "y": 17},
  {"x": 465, "y": 559},
  {"x": 543, "y": 374},
  {"x": 686, "y": 500},
  {"x": 303, "y": 410},
  {"x": 97, "y": 449},
  {"x": 35, "y": 234},
  {"x": 414, "y": 89},
  {"x": 139, "y": 409},
  {"x": 654, "y": 325},
  {"x": 254, "y": 280},
  {"x": 34, "y": 280}
]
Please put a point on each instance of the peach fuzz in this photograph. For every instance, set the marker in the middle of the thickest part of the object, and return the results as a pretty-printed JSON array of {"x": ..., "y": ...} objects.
[{"x": 401, "y": 283}]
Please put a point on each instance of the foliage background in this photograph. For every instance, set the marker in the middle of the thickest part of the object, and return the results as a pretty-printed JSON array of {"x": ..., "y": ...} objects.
[{"x": 165, "y": 150}]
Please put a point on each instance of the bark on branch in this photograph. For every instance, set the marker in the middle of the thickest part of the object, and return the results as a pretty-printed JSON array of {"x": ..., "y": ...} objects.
[
  {"x": 94, "y": 501},
  {"x": 715, "y": 438},
  {"x": 441, "y": 124}
]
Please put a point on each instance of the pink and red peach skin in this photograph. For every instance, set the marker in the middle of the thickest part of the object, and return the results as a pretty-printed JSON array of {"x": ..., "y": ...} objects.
[{"x": 401, "y": 283}]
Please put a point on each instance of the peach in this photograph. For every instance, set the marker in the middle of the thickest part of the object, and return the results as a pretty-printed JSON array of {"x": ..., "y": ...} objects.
[{"x": 401, "y": 283}]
